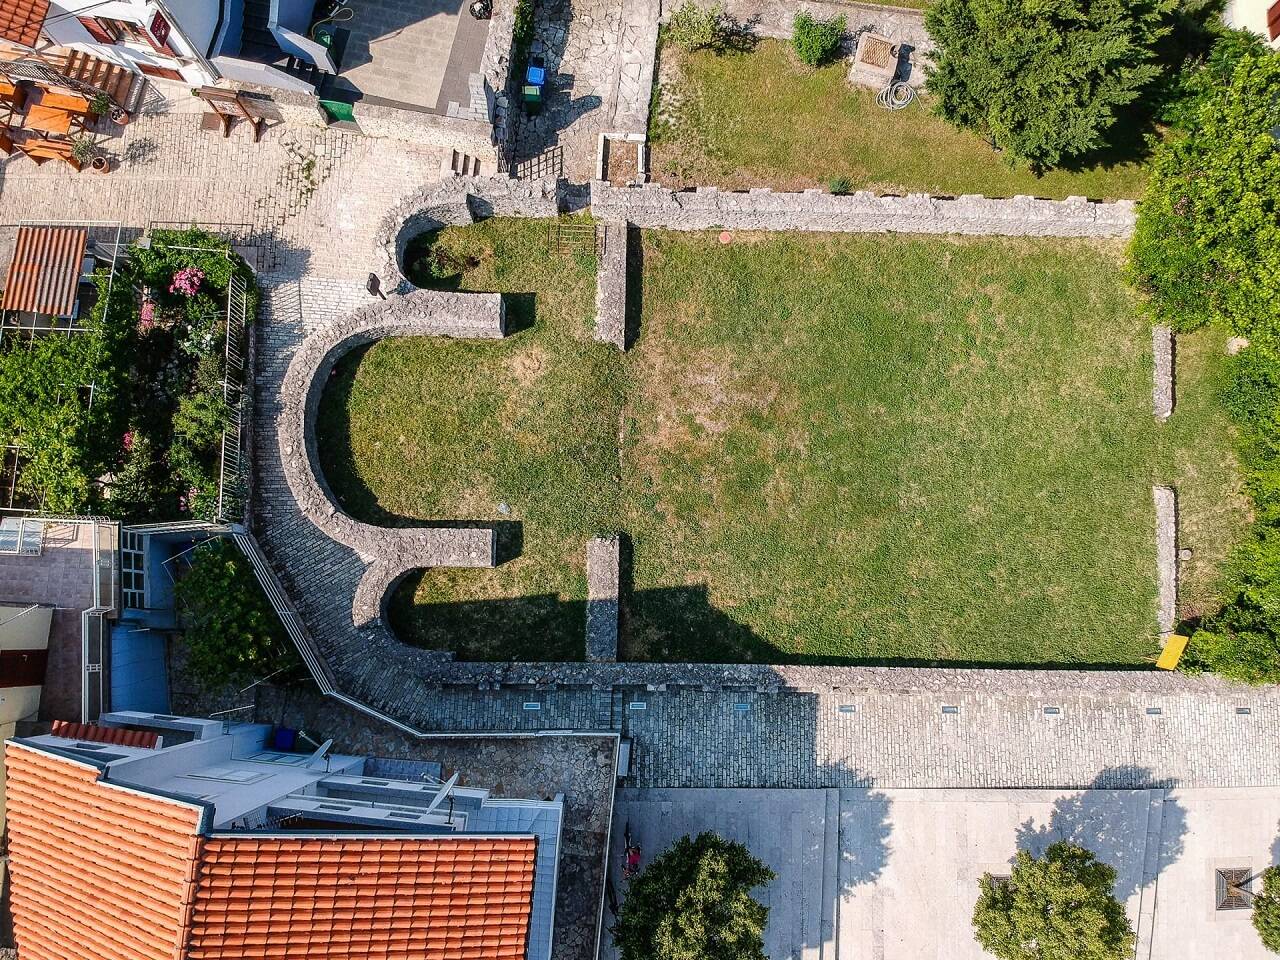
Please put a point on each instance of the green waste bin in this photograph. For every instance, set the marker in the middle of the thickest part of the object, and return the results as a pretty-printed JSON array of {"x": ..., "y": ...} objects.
[{"x": 338, "y": 111}]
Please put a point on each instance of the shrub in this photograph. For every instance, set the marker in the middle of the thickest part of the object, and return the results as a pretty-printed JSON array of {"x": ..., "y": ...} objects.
[
  {"x": 817, "y": 41},
  {"x": 1201, "y": 80},
  {"x": 1206, "y": 248},
  {"x": 693, "y": 27},
  {"x": 1043, "y": 82},
  {"x": 1266, "y": 910},
  {"x": 521, "y": 38},
  {"x": 232, "y": 634},
  {"x": 839, "y": 185},
  {"x": 694, "y": 900},
  {"x": 68, "y": 442},
  {"x": 1060, "y": 906}
]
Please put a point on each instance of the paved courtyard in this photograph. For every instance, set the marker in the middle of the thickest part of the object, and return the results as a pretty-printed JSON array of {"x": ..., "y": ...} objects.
[
  {"x": 315, "y": 194},
  {"x": 892, "y": 874}
]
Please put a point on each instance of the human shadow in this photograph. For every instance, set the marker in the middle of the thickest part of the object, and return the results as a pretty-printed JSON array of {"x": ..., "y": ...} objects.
[{"x": 1095, "y": 820}]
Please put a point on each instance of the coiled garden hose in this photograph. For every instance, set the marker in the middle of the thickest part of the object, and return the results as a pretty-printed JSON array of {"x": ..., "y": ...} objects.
[
  {"x": 341, "y": 14},
  {"x": 896, "y": 95}
]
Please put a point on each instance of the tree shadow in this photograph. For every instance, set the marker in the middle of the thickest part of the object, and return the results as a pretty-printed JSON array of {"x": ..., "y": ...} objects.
[{"x": 1094, "y": 820}]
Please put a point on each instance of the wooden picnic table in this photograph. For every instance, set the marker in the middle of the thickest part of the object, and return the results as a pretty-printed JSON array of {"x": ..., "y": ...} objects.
[
  {"x": 70, "y": 102},
  {"x": 47, "y": 119}
]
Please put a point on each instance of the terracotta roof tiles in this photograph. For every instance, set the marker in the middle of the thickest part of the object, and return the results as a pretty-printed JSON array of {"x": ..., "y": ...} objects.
[
  {"x": 96, "y": 734},
  {"x": 20, "y": 20},
  {"x": 98, "y": 872},
  {"x": 427, "y": 898},
  {"x": 44, "y": 273}
]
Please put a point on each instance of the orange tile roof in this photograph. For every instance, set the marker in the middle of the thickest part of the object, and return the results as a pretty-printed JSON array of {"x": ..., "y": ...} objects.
[
  {"x": 361, "y": 898},
  {"x": 20, "y": 20},
  {"x": 104, "y": 872},
  {"x": 98, "y": 872},
  {"x": 45, "y": 270},
  {"x": 96, "y": 734}
]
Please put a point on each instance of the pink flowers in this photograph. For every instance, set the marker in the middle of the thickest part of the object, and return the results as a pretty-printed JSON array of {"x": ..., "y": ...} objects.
[
  {"x": 128, "y": 441},
  {"x": 147, "y": 316},
  {"x": 187, "y": 281}
]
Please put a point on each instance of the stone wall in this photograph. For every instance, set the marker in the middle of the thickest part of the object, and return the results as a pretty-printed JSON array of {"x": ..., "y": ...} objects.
[
  {"x": 603, "y": 559},
  {"x": 495, "y": 69},
  {"x": 454, "y": 201},
  {"x": 708, "y": 208},
  {"x": 1166, "y": 501},
  {"x": 611, "y": 287},
  {"x": 1162, "y": 392},
  {"x": 390, "y": 552}
]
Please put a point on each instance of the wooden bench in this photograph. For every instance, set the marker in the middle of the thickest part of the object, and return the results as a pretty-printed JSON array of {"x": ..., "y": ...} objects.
[
  {"x": 227, "y": 106},
  {"x": 43, "y": 150}
]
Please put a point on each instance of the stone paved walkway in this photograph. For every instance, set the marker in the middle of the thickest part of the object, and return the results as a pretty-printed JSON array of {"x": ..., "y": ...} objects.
[
  {"x": 318, "y": 193},
  {"x": 599, "y": 58}
]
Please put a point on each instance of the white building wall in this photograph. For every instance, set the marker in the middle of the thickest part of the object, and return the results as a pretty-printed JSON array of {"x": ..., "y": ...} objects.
[{"x": 1249, "y": 15}]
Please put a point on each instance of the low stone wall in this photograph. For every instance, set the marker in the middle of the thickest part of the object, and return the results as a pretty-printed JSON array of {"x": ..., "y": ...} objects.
[
  {"x": 1162, "y": 395},
  {"x": 495, "y": 69},
  {"x": 474, "y": 137},
  {"x": 603, "y": 558},
  {"x": 1166, "y": 500},
  {"x": 708, "y": 208},
  {"x": 454, "y": 201},
  {"x": 611, "y": 287},
  {"x": 391, "y": 552}
]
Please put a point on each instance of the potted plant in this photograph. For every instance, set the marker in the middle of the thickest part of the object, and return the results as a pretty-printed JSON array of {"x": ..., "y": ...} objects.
[
  {"x": 119, "y": 115},
  {"x": 99, "y": 104},
  {"x": 100, "y": 164},
  {"x": 82, "y": 149}
]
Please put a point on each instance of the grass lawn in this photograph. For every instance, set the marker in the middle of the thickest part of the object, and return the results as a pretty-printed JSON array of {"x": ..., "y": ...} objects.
[
  {"x": 823, "y": 449},
  {"x": 739, "y": 119}
]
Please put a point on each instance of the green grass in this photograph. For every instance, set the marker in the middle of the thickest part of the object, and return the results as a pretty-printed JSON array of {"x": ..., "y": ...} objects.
[
  {"x": 418, "y": 428},
  {"x": 743, "y": 119},
  {"x": 824, "y": 449}
]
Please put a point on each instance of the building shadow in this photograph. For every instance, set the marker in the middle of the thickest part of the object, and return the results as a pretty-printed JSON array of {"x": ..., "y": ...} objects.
[{"x": 1089, "y": 819}]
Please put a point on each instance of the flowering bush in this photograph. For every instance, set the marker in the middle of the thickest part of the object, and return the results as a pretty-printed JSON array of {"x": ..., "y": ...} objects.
[{"x": 187, "y": 281}]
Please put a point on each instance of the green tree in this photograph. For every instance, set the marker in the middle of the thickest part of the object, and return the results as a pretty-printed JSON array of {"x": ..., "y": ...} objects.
[
  {"x": 1206, "y": 248},
  {"x": 1043, "y": 81},
  {"x": 1057, "y": 907},
  {"x": 232, "y": 634},
  {"x": 693, "y": 902},
  {"x": 1266, "y": 910}
]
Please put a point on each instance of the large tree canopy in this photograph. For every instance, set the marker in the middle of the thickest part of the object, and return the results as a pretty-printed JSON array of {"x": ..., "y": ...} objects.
[
  {"x": 693, "y": 902},
  {"x": 1043, "y": 79},
  {"x": 1207, "y": 243},
  {"x": 1057, "y": 907}
]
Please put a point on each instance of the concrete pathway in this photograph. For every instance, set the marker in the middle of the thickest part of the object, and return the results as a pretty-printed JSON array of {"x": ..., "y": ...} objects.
[{"x": 893, "y": 874}]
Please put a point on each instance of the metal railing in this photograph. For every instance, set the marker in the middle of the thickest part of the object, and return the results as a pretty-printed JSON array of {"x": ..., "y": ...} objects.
[{"x": 233, "y": 467}]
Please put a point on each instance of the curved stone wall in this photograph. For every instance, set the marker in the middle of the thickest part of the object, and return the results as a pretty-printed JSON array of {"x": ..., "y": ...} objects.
[
  {"x": 389, "y": 552},
  {"x": 454, "y": 202}
]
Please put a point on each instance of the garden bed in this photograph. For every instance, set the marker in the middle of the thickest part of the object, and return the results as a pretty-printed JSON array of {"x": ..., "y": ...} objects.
[
  {"x": 745, "y": 118},
  {"x": 127, "y": 417},
  {"x": 823, "y": 448}
]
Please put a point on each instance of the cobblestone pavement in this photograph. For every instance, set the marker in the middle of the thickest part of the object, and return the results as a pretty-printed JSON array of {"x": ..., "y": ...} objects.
[{"x": 317, "y": 193}]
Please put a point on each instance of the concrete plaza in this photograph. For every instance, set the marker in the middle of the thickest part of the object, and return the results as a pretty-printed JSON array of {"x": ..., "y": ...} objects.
[{"x": 893, "y": 874}]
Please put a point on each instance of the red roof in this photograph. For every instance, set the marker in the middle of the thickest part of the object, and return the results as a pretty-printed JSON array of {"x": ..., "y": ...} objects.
[
  {"x": 20, "y": 20},
  {"x": 104, "y": 872},
  {"x": 96, "y": 734},
  {"x": 97, "y": 872},
  {"x": 44, "y": 273},
  {"x": 342, "y": 898}
]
